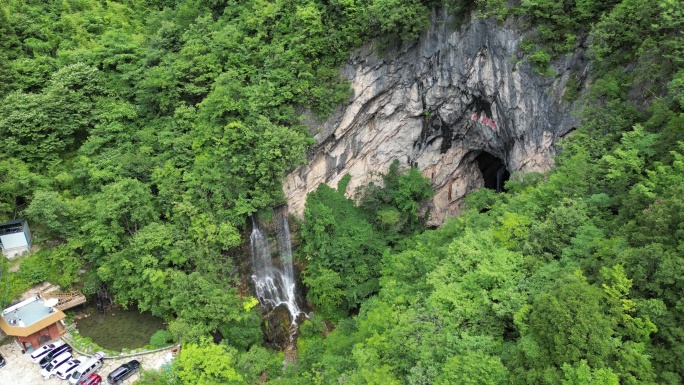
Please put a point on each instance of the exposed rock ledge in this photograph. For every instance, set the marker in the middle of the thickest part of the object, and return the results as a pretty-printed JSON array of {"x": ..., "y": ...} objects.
[{"x": 416, "y": 104}]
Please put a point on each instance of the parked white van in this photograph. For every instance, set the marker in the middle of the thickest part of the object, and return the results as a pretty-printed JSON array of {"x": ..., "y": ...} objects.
[
  {"x": 43, "y": 350},
  {"x": 64, "y": 371},
  {"x": 89, "y": 366},
  {"x": 51, "y": 368}
]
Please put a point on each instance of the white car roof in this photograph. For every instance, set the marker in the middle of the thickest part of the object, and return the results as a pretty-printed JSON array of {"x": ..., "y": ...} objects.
[
  {"x": 41, "y": 351},
  {"x": 86, "y": 364},
  {"x": 55, "y": 363},
  {"x": 71, "y": 363},
  {"x": 64, "y": 356},
  {"x": 68, "y": 367}
]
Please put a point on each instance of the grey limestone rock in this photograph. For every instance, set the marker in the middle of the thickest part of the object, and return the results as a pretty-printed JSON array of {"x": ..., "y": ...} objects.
[{"x": 417, "y": 103}]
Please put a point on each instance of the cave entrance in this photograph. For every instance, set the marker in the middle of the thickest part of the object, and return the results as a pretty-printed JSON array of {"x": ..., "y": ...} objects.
[{"x": 494, "y": 171}]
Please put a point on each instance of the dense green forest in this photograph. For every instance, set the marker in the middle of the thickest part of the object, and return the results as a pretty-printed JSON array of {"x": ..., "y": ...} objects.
[{"x": 138, "y": 137}]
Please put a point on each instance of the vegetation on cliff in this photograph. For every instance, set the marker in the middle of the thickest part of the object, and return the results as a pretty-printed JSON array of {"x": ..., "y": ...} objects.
[
  {"x": 139, "y": 135},
  {"x": 571, "y": 277}
]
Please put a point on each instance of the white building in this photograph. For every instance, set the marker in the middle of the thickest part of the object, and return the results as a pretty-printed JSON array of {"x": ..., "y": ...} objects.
[{"x": 15, "y": 237}]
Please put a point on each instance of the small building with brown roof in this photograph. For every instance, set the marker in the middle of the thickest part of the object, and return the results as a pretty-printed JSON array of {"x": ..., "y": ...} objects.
[{"x": 32, "y": 322}]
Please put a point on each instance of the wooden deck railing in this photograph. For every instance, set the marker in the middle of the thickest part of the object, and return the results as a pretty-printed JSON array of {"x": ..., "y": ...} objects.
[{"x": 66, "y": 300}]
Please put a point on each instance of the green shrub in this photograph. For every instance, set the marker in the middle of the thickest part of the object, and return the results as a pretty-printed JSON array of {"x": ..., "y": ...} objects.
[
  {"x": 402, "y": 18},
  {"x": 161, "y": 338},
  {"x": 540, "y": 60},
  {"x": 33, "y": 270}
]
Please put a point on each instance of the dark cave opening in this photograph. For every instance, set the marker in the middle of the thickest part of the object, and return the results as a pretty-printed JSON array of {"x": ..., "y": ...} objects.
[{"x": 494, "y": 171}]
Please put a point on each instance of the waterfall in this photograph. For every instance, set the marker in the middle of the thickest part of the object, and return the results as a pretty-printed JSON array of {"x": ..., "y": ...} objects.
[
  {"x": 285, "y": 248},
  {"x": 274, "y": 285}
]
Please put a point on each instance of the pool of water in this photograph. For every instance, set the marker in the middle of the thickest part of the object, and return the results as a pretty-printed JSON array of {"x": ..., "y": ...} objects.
[{"x": 119, "y": 329}]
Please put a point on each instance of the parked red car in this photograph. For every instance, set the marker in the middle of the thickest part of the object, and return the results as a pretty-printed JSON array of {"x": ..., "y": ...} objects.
[{"x": 93, "y": 379}]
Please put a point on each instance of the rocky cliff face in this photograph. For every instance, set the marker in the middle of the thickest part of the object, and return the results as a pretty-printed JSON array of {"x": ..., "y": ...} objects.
[{"x": 457, "y": 104}]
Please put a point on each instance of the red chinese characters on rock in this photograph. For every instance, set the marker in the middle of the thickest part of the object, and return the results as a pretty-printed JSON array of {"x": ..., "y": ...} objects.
[{"x": 484, "y": 120}]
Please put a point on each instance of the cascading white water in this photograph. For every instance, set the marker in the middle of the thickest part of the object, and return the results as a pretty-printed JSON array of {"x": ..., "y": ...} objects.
[{"x": 275, "y": 286}]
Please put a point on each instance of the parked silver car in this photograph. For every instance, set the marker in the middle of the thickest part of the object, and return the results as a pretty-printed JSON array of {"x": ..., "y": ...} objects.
[
  {"x": 65, "y": 370},
  {"x": 39, "y": 353},
  {"x": 55, "y": 364}
]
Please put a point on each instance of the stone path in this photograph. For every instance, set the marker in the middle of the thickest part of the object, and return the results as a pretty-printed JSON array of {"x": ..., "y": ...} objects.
[{"x": 21, "y": 370}]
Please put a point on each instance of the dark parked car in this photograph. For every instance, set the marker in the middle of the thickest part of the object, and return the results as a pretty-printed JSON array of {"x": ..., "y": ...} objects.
[
  {"x": 93, "y": 379},
  {"x": 2, "y": 361},
  {"x": 45, "y": 361},
  {"x": 123, "y": 372}
]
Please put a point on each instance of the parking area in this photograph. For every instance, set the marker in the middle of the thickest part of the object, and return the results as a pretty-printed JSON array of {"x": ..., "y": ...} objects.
[{"x": 21, "y": 370}]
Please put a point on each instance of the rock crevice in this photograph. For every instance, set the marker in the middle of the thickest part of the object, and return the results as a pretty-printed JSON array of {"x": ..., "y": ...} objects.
[{"x": 436, "y": 104}]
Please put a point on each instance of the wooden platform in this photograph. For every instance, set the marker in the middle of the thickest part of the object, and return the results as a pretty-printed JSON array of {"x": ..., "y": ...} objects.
[
  {"x": 47, "y": 290},
  {"x": 67, "y": 300}
]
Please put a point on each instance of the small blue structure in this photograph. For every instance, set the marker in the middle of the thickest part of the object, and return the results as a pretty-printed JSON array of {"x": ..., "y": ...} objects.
[{"x": 15, "y": 237}]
